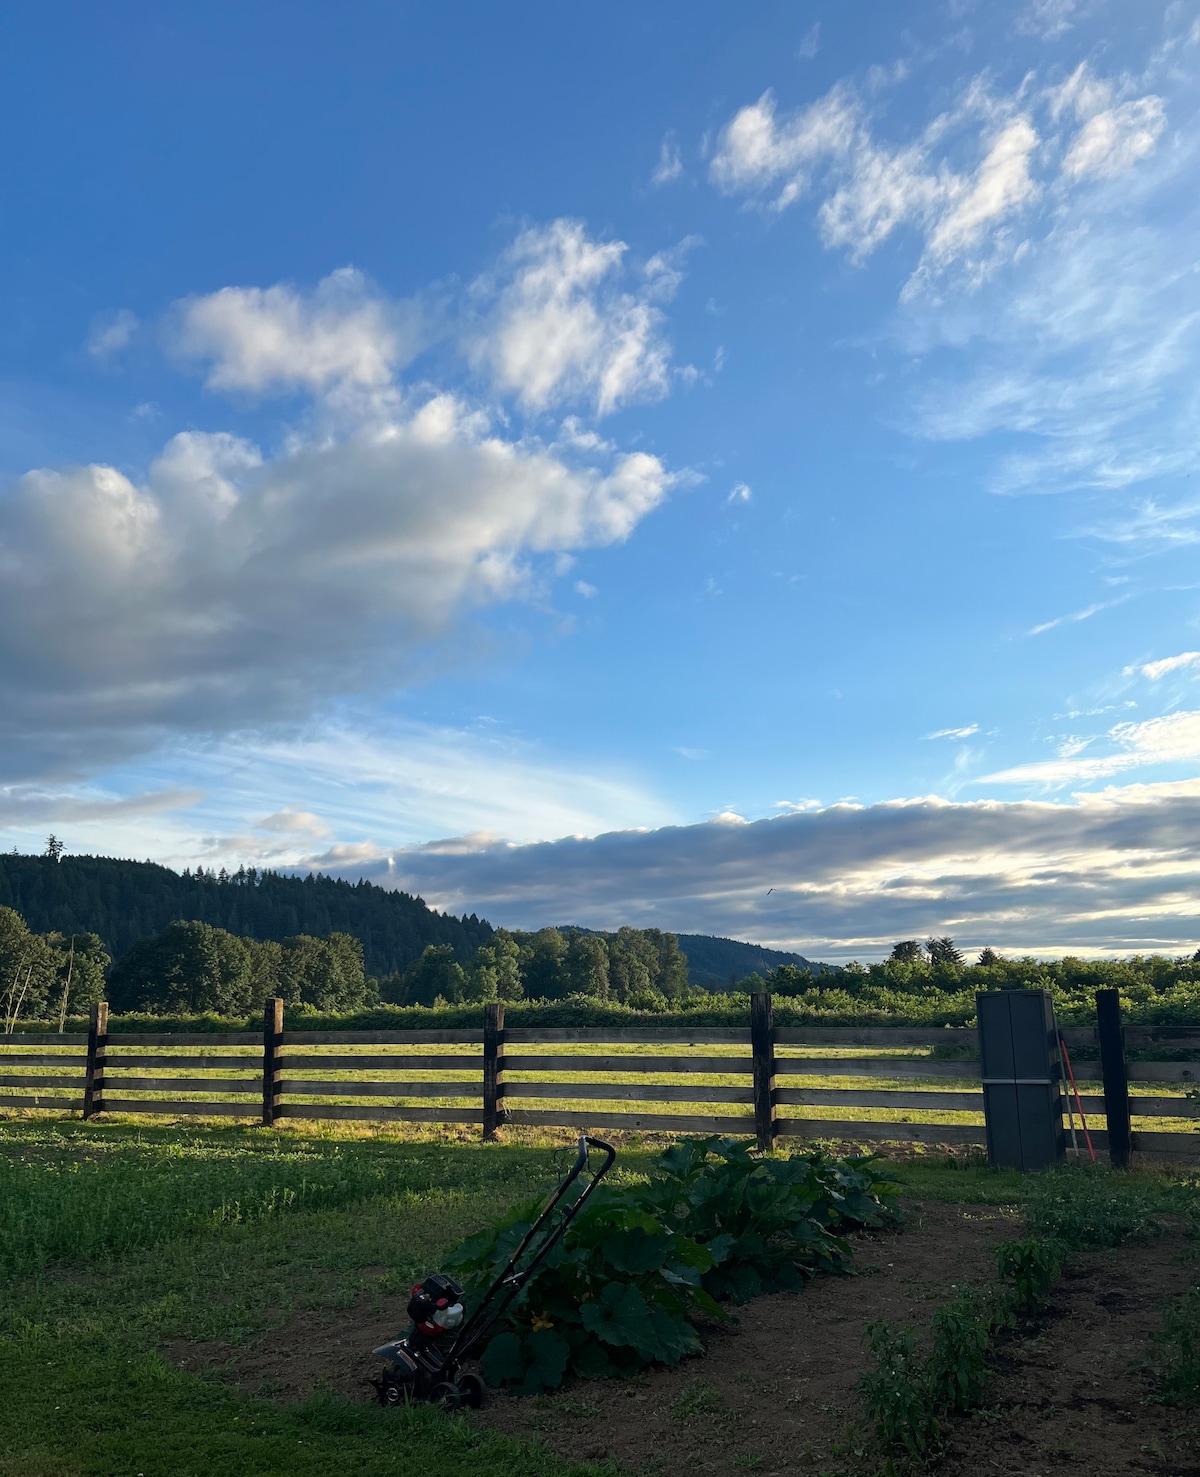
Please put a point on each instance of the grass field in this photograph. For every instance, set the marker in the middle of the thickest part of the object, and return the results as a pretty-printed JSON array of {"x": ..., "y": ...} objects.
[{"x": 117, "y": 1241}]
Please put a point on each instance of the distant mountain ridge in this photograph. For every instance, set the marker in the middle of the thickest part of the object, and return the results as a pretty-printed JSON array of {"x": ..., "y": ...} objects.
[
  {"x": 716, "y": 962},
  {"x": 124, "y": 901}
]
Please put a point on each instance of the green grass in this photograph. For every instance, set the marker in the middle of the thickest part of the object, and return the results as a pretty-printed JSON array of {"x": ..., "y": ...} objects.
[{"x": 117, "y": 1241}]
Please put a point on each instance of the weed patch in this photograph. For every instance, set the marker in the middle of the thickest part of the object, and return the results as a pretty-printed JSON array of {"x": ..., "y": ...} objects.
[{"x": 1176, "y": 1361}]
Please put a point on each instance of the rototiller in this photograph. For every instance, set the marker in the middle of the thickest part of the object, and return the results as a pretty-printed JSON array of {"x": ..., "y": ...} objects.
[{"x": 426, "y": 1363}]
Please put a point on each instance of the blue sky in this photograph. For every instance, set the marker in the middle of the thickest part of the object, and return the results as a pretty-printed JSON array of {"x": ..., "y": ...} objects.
[{"x": 731, "y": 468}]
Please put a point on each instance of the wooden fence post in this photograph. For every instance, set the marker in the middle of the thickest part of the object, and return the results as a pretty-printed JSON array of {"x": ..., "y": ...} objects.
[
  {"x": 493, "y": 1069},
  {"x": 1115, "y": 1075},
  {"x": 762, "y": 1047},
  {"x": 272, "y": 1041},
  {"x": 93, "y": 1081}
]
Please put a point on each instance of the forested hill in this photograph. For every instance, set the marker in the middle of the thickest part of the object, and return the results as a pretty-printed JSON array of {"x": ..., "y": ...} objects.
[
  {"x": 124, "y": 901},
  {"x": 713, "y": 963}
]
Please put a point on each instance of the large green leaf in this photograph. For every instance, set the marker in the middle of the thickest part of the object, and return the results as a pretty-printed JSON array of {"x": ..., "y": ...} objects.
[
  {"x": 619, "y": 1316},
  {"x": 674, "y": 1338},
  {"x": 503, "y": 1359},
  {"x": 634, "y": 1252},
  {"x": 545, "y": 1361}
]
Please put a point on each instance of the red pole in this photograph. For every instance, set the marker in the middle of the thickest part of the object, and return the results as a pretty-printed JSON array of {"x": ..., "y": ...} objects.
[{"x": 1078, "y": 1099}]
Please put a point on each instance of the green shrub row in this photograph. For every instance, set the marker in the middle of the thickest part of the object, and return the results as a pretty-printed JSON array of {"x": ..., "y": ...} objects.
[{"x": 820, "y": 1004}]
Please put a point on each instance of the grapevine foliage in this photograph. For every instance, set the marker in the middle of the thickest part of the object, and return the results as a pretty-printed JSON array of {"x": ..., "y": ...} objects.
[{"x": 716, "y": 1223}]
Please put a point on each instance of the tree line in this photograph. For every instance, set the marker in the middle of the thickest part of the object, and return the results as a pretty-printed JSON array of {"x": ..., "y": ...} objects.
[
  {"x": 643, "y": 968},
  {"x": 194, "y": 968},
  {"x": 125, "y": 901}
]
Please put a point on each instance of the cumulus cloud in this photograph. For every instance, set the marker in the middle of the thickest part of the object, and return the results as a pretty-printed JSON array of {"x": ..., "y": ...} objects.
[
  {"x": 963, "y": 183},
  {"x": 556, "y": 327},
  {"x": 234, "y": 584},
  {"x": 230, "y": 586},
  {"x": 278, "y": 338},
  {"x": 1115, "y": 871}
]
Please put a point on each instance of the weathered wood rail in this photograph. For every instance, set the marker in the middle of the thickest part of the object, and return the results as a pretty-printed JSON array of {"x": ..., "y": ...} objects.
[{"x": 595, "y": 1077}]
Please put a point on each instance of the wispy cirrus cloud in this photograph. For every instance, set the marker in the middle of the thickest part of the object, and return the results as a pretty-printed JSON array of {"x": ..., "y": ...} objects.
[
  {"x": 670, "y": 162},
  {"x": 1171, "y": 739},
  {"x": 1051, "y": 305},
  {"x": 968, "y": 730},
  {"x": 1156, "y": 671},
  {"x": 962, "y": 184}
]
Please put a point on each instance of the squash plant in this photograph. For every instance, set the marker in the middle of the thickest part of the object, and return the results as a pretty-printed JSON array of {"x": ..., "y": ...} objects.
[{"x": 715, "y": 1223}]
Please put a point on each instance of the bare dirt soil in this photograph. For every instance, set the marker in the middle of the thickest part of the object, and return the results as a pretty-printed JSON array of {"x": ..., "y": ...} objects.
[
  {"x": 1076, "y": 1398},
  {"x": 776, "y": 1393}
]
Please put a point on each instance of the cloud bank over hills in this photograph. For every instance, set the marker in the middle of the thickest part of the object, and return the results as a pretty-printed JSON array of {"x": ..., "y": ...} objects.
[{"x": 1117, "y": 871}]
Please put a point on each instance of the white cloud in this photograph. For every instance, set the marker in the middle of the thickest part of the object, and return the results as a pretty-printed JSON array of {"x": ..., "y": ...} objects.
[
  {"x": 1074, "y": 617},
  {"x": 740, "y": 494},
  {"x": 962, "y": 183},
  {"x": 230, "y": 586},
  {"x": 670, "y": 163},
  {"x": 1114, "y": 140},
  {"x": 278, "y": 338},
  {"x": 756, "y": 151},
  {"x": 955, "y": 733},
  {"x": 589, "y": 592},
  {"x": 1155, "y": 671},
  {"x": 110, "y": 333},
  {"x": 340, "y": 793},
  {"x": 1084, "y": 357},
  {"x": 293, "y": 822},
  {"x": 1171, "y": 739},
  {"x": 999, "y": 188},
  {"x": 810, "y": 43},
  {"x": 1116, "y": 871},
  {"x": 555, "y": 327},
  {"x": 1049, "y": 19}
]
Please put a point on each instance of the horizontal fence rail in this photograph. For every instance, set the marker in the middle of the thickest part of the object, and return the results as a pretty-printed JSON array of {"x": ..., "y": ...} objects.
[{"x": 904, "y": 1084}]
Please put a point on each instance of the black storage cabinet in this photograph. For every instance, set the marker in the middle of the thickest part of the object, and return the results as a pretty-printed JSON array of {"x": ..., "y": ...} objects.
[{"x": 1019, "y": 1058}]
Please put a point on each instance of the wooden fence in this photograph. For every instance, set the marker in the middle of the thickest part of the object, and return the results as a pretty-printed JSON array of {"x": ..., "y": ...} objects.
[{"x": 923, "y": 1083}]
